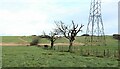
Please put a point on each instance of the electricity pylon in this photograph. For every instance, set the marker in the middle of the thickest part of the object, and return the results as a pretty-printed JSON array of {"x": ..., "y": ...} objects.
[{"x": 95, "y": 27}]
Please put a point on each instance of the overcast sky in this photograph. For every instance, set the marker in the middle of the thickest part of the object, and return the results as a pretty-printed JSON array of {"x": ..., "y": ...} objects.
[{"x": 32, "y": 17}]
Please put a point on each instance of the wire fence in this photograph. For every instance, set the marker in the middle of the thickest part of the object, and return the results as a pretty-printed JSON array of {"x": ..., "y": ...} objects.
[{"x": 109, "y": 53}]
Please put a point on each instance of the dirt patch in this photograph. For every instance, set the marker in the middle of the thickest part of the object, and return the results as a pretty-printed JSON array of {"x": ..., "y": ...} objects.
[
  {"x": 12, "y": 44},
  {"x": 66, "y": 44},
  {"x": 25, "y": 44}
]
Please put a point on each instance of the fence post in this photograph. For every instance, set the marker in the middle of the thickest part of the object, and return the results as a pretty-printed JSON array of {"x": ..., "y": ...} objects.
[
  {"x": 115, "y": 53},
  {"x": 93, "y": 52},
  {"x": 58, "y": 48},
  {"x": 72, "y": 48},
  {"x": 107, "y": 52},
  {"x": 88, "y": 53},
  {"x": 119, "y": 54},
  {"x": 104, "y": 53},
  {"x": 62, "y": 49},
  {"x": 81, "y": 52},
  {"x": 53, "y": 48},
  {"x": 96, "y": 52}
]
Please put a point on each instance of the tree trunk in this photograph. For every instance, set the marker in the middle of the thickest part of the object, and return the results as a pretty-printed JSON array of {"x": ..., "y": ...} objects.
[
  {"x": 52, "y": 44},
  {"x": 118, "y": 52},
  {"x": 70, "y": 46}
]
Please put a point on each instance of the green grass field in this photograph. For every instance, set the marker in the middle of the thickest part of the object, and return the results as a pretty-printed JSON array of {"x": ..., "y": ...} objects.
[
  {"x": 33, "y": 56},
  {"x": 11, "y": 39},
  {"x": 38, "y": 57}
]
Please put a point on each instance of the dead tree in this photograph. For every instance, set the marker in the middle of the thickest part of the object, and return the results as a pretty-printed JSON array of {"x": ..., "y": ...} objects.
[
  {"x": 69, "y": 32},
  {"x": 51, "y": 37}
]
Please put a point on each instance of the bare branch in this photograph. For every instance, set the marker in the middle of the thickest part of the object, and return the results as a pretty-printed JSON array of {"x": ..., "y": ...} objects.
[
  {"x": 76, "y": 26},
  {"x": 80, "y": 28}
]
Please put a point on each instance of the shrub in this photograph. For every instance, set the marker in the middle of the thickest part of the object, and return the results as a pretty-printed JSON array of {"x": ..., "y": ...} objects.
[
  {"x": 34, "y": 35},
  {"x": 34, "y": 42},
  {"x": 85, "y": 35},
  {"x": 116, "y": 36}
]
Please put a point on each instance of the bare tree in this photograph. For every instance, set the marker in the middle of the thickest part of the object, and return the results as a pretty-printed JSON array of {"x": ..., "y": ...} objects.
[
  {"x": 69, "y": 32},
  {"x": 51, "y": 37}
]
